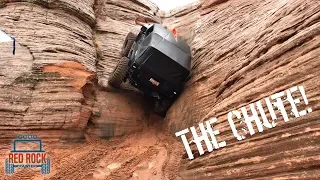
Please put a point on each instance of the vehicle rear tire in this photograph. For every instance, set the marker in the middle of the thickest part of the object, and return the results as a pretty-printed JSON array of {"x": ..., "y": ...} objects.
[
  {"x": 119, "y": 73},
  {"x": 162, "y": 106},
  {"x": 128, "y": 42}
]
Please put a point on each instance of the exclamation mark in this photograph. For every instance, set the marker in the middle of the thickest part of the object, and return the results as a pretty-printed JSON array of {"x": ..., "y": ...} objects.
[{"x": 304, "y": 96}]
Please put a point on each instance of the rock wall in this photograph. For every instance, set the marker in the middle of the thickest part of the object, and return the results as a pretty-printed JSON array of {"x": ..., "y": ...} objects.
[
  {"x": 63, "y": 49},
  {"x": 244, "y": 51},
  {"x": 42, "y": 85}
]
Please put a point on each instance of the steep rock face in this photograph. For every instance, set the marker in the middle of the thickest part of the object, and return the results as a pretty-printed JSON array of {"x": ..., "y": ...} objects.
[
  {"x": 116, "y": 113},
  {"x": 82, "y": 9},
  {"x": 245, "y": 51},
  {"x": 51, "y": 82},
  {"x": 42, "y": 85}
]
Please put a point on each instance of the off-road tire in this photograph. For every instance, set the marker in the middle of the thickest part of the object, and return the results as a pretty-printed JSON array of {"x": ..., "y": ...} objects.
[
  {"x": 119, "y": 73},
  {"x": 162, "y": 106},
  {"x": 128, "y": 42}
]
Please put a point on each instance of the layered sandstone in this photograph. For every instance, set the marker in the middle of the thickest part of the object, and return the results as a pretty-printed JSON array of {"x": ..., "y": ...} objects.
[
  {"x": 42, "y": 85},
  {"x": 51, "y": 82},
  {"x": 244, "y": 51}
]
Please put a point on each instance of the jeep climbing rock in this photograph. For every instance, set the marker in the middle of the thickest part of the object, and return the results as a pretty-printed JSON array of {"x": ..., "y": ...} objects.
[{"x": 157, "y": 62}]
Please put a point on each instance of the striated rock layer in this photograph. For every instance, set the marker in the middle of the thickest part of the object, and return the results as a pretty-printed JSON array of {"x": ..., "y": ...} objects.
[
  {"x": 51, "y": 83},
  {"x": 245, "y": 51},
  {"x": 42, "y": 85}
]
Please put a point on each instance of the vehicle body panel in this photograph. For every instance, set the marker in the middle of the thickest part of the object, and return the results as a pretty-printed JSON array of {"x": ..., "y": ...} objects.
[{"x": 159, "y": 64}]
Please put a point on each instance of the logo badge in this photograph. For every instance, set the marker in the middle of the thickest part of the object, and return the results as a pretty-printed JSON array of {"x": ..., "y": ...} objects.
[
  {"x": 27, "y": 152},
  {"x": 154, "y": 82}
]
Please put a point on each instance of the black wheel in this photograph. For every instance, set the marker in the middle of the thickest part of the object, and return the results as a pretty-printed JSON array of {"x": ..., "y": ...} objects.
[
  {"x": 119, "y": 73},
  {"x": 162, "y": 106},
  {"x": 128, "y": 42}
]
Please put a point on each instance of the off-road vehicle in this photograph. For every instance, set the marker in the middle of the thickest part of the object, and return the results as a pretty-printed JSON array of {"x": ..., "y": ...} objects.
[{"x": 157, "y": 62}]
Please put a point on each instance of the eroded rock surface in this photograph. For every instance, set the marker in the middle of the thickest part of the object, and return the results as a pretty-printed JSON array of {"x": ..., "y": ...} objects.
[
  {"x": 117, "y": 113},
  {"x": 245, "y": 51},
  {"x": 51, "y": 83},
  {"x": 39, "y": 86}
]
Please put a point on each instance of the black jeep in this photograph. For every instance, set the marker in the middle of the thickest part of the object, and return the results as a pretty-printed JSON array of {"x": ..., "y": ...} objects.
[{"x": 156, "y": 62}]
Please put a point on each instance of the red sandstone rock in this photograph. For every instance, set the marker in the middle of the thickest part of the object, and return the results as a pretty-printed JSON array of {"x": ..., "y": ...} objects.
[
  {"x": 243, "y": 51},
  {"x": 51, "y": 82}
]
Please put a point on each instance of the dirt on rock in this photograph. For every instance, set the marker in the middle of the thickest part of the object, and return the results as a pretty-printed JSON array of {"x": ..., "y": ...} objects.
[
  {"x": 243, "y": 51},
  {"x": 149, "y": 154}
]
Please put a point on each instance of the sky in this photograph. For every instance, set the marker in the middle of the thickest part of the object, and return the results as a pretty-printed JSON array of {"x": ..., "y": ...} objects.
[
  {"x": 167, "y": 5},
  {"x": 4, "y": 37}
]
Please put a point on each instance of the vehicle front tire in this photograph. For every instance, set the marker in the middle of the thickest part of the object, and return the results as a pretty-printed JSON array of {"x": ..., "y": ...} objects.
[
  {"x": 128, "y": 42},
  {"x": 119, "y": 73}
]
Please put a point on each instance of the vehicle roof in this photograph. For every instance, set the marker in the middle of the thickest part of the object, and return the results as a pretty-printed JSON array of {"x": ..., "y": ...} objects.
[
  {"x": 166, "y": 34},
  {"x": 181, "y": 55}
]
